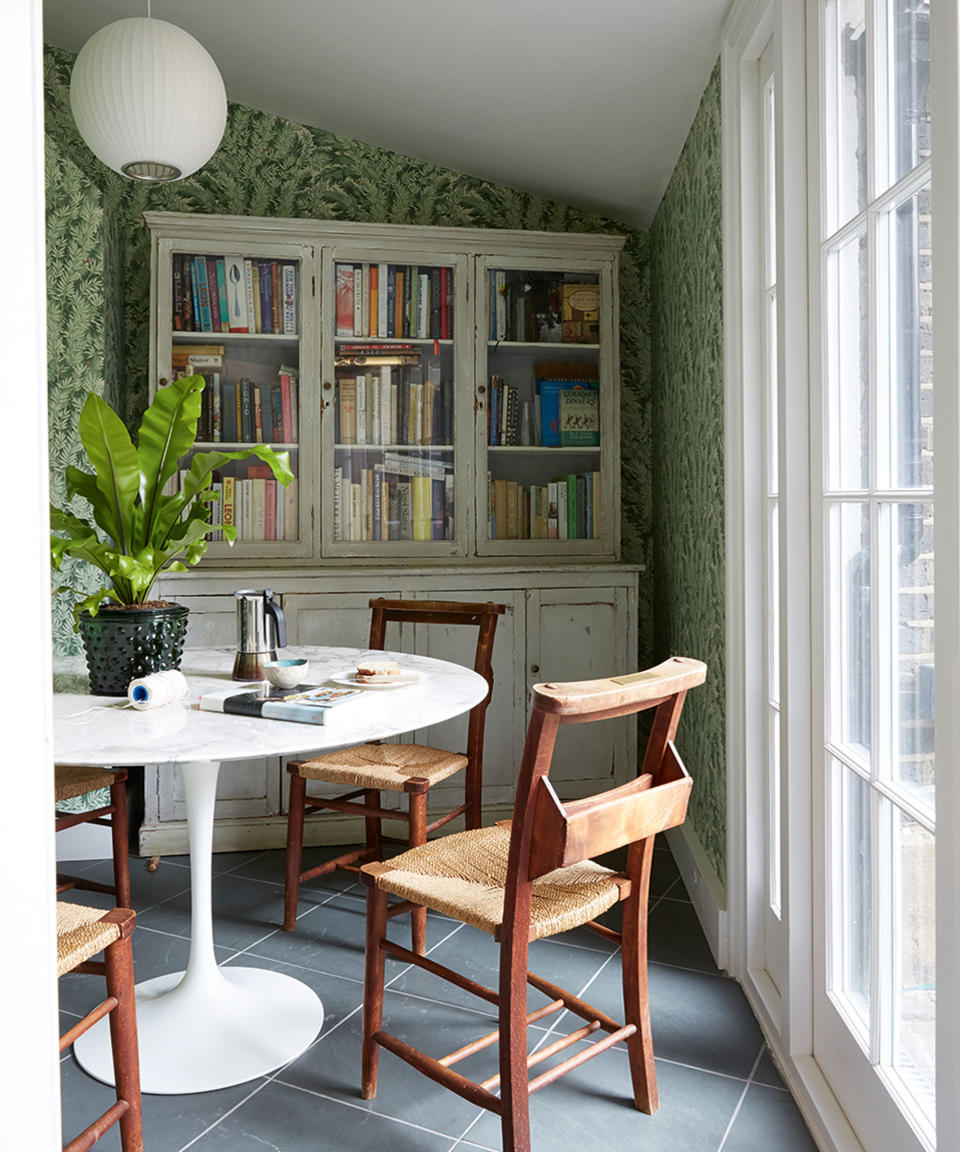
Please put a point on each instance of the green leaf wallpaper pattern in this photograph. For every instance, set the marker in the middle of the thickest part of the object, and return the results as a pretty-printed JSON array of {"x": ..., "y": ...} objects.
[
  {"x": 688, "y": 534},
  {"x": 75, "y": 340},
  {"x": 273, "y": 167}
]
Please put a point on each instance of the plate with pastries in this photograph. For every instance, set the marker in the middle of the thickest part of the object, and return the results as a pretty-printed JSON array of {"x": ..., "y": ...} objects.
[{"x": 375, "y": 673}]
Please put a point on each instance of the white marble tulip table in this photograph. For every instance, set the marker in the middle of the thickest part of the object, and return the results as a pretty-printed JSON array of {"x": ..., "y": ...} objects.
[{"x": 210, "y": 1027}]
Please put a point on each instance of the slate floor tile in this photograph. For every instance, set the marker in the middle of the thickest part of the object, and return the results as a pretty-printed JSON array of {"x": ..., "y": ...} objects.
[
  {"x": 705, "y": 1037},
  {"x": 284, "y": 1118},
  {"x": 169, "y": 1122},
  {"x": 591, "y": 1110},
  {"x": 768, "y": 1118}
]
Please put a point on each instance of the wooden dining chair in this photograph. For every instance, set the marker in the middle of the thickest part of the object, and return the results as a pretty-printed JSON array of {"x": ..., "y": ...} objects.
[
  {"x": 533, "y": 877},
  {"x": 407, "y": 768},
  {"x": 82, "y": 933},
  {"x": 70, "y": 782}
]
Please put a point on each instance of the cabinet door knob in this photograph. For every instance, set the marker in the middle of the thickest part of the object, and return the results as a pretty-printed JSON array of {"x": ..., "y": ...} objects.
[
  {"x": 327, "y": 385},
  {"x": 534, "y": 668},
  {"x": 162, "y": 382},
  {"x": 481, "y": 389}
]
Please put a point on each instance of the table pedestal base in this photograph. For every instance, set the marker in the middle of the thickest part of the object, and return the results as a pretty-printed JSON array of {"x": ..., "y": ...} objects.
[{"x": 211, "y": 1034}]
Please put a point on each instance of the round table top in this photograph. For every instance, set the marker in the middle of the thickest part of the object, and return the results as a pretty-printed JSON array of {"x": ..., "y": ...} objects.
[{"x": 106, "y": 730}]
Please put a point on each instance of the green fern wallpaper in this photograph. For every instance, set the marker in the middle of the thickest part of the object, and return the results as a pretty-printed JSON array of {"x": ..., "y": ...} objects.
[
  {"x": 273, "y": 167},
  {"x": 687, "y": 419}
]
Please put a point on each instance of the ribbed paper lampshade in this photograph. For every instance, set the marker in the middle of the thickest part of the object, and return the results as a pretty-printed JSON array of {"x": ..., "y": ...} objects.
[{"x": 148, "y": 99}]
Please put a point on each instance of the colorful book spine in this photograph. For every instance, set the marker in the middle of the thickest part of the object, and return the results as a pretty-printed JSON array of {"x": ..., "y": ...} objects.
[
  {"x": 203, "y": 294},
  {"x": 249, "y": 288},
  {"x": 236, "y": 294},
  {"x": 288, "y": 279},
  {"x": 221, "y": 271},
  {"x": 276, "y": 298},
  {"x": 344, "y": 289}
]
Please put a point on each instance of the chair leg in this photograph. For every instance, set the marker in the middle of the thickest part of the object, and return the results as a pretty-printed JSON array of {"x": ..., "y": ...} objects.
[
  {"x": 373, "y": 988},
  {"x": 294, "y": 858},
  {"x": 119, "y": 834},
  {"x": 514, "y": 1093},
  {"x": 373, "y": 825},
  {"x": 418, "y": 835},
  {"x": 118, "y": 959},
  {"x": 636, "y": 1000}
]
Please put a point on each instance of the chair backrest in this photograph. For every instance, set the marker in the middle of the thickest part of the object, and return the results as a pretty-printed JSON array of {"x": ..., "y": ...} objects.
[
  {"x": 547, "y": 834},
  {"x": 483, "y": 617}
]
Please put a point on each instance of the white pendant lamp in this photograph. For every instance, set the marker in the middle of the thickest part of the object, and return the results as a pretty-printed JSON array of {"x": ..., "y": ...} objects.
[{"x": 148, "y": 99}]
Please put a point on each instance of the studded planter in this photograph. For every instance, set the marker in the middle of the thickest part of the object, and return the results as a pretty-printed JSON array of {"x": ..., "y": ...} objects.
[{"x": 122, "y": 644}]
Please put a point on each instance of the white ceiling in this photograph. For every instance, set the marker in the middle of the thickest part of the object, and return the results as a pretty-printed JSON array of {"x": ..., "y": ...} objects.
[{"x": 587, "y": 101}]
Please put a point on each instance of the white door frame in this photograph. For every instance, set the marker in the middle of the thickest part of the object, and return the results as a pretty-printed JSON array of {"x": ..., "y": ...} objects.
[
  {"x": 945, "y": 73},
  {"x": 787, "y": 1023},
  {"x": 29, "y": 1062}
]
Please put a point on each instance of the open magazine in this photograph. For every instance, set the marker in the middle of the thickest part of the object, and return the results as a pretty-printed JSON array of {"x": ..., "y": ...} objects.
[{"x": 306, "y": 703}]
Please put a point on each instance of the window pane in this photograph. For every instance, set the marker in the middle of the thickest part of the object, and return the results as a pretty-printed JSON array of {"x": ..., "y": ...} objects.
[
  {"x": 847, "y": 92},
  {"x": 852, "y": 866},
  {"x": 909, "y": 363},
  {"x": 773, "y": 816},
  {"x": 773, "y": 601},
  {"x": 911, "y": 734},
  {"x": 850, "y": 628},
  {"x": 849, "y": 367},
  {"x": 915, "y": 983},
  {"x": 772, "y": 466},
  {"x": 909, "y": 84}
]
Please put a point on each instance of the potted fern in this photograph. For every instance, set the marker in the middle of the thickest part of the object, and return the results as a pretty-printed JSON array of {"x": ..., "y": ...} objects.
[{"x": 139, "y": 530}]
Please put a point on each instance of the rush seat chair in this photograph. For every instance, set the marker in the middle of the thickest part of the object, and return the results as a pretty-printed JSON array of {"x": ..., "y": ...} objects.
[
  {"x": 533, "y": 877},
  {"x": 407, "y": 768},
  {"x": 81, "y": 933},
  {"x": 70, "y": 782}
]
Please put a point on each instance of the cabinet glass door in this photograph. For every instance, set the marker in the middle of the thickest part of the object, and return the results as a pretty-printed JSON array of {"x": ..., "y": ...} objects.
[
  {"x": 546, "y": 387},
  {"x": 236, "y": 318},
  {"x": 390, "y": 404}
]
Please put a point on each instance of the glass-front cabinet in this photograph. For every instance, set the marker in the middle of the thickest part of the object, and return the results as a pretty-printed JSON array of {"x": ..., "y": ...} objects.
[
  {"x": 546, "y": 449},
  {"x": 443, "y": 393},
  {"x": 395, "y": 391},
  {"x": 235, "y": 312}
]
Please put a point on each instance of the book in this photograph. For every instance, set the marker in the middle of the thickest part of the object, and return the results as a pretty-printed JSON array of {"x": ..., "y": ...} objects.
[
  {"x": 221, "y": 272},
  {"x": 313, "y": 703},
  {"x": 203, "y": 294},
  {"x": 176, "y": 273},
  {"x": 579, "y": 417},
  {"x": 236, "y": 294},
  {"x": 291, "y": 511},
  {"x": 423, "y": 306},
  {"x": 383, "y": 293},
  {"x": 344, "y": 289},
  {"x": 549, "y": 392},
  {"x": 276, "y": 297},
  {"x": 374, "y": 305},
  {"x": 358, "y": 300},
  {"x": 287, "y": 276},
  {"x": 228, "y": 498}
]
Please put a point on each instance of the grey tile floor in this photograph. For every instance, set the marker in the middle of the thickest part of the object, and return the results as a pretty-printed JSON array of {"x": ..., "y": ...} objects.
[{"x": 719, "y": 1089}]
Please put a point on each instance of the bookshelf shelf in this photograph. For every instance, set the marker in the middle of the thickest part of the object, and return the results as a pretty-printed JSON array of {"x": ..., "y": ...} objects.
[
  {"x": 235, "y": 338},
  {"x": 401, "y": 368},
  {"x": 540, "y": 449},
  {"x": 543, "y": 345}
]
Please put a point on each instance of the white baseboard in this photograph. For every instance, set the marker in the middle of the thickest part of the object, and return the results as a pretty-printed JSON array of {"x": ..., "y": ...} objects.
[
  {"x": 243, "y": 834},
  {"x": 707, "y": 893}
]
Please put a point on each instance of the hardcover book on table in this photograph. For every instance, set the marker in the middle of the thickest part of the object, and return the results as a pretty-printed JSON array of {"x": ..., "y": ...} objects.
[{"x": 305, "y": 704}]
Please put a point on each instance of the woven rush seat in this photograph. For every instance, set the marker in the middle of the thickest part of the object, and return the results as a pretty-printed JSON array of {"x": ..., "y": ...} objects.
[
  {"x": 75, "y": 781},
  {"x": 464, "y": 876},
  {"x": 81, "y": 933},
  {"x": 386, "y": 766}
]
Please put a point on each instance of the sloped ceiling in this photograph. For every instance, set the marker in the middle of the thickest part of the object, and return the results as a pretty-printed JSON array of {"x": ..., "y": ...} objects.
[{"x": 589, "y": 102}]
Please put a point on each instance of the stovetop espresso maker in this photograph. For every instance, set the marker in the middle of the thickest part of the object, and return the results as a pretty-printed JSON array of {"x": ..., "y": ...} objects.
[{"x": 260, "y": 632}]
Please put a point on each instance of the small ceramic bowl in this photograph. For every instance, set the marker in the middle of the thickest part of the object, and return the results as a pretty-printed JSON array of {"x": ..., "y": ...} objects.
[{"x": 285, "y": 673}]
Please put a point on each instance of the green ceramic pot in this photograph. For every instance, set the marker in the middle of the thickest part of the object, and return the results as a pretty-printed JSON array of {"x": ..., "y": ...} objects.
[{"x": 125, "y": 643}]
